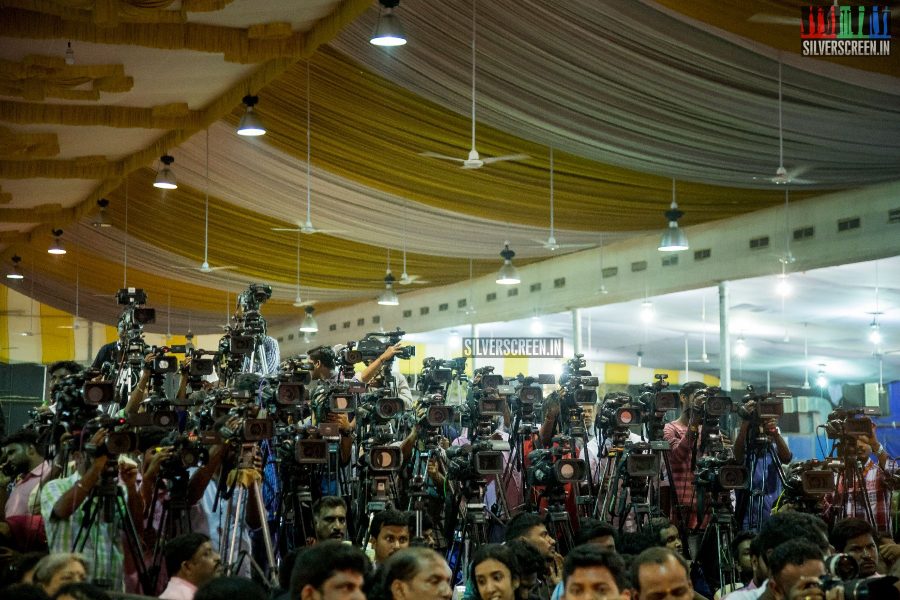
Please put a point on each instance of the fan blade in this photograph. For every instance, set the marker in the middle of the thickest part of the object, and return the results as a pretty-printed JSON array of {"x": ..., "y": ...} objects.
[
  {"x": 294, "y": 230},
  {"x": 493, "y": 159},
  {"x": 315, "y": 230},
  {"x": 575, "y": 245},
  {"x": 222, "y": 268},
  {"x": 774, "y": 19},
  {"x": 441, "y": 156}
]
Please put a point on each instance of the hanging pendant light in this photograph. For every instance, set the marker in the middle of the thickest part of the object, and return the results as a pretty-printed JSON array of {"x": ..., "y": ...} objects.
[
  {"x": 57, "y": 246},
  {"x": 165, "y": 177},
  {"x": 102, "y": 218},
  {"x": 673, "y": 239},
  {"x": 388, "y": 30},
  {"x": 16, "y": 272},
  {"x": 309, "y": 324},
  {"x": 70, "y": 54},
  {"x": 388, "y": 297},
  {"x": 250, "y": 125},
  {"x": 508, "y": 274}
]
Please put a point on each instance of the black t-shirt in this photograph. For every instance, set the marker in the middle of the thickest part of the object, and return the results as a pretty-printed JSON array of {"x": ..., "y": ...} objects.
[{"x": 107, "y": 353}]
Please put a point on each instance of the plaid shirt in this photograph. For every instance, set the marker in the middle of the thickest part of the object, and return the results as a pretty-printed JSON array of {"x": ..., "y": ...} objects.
[
  {"x": 680, "y": 461},
  {"x": 877, "y": 493},
  {"x": 103, "y": 547}
]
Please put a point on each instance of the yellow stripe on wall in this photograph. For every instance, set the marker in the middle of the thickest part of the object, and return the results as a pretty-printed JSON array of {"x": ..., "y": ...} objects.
[
  {"x": 56, "y": 343},
  {"x": 616, "y": 373}
]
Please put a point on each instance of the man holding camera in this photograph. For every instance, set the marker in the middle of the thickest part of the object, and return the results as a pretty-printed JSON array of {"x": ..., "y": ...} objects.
[
  {"x": 682, "y": 434},
  {"x": 63, "y": 507},
  {"x": 761, "y": 448}
]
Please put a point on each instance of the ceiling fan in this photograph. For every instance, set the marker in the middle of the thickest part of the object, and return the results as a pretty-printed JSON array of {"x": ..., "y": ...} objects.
[
  {"x": 782, "y": 175},
  {"x": 307, "y": 227},
  {"x": 550, "y": 243},
  {"x": 204, "y": 266},
  {"x": 474, "y": 161},
  {"x": 406, "y": 278}
]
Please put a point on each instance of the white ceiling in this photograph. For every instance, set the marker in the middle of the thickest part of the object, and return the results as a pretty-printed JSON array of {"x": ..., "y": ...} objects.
[{"x": 831, "y": 308}]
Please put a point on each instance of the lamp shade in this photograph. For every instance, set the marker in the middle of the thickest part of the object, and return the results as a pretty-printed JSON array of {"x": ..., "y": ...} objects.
[
  {"x": 165, "y": 177},
  {"x": 309, "y": 324},
  {"x": 388, "y": 30},
  {"x": 673, "y": 239},
  {"x": 57, "y": 246},
  {"x": 250, "y": 125},
  {"x": 388, "y": 297},
  {"x": 508, "y": 274},
  {"x": 16, "y": 272}
]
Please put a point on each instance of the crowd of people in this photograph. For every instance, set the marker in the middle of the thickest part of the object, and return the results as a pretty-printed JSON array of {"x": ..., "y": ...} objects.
[{"x": 117, "y": 508}]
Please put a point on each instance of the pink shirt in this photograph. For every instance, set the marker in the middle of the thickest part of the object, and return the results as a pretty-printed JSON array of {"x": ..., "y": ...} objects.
[
  {"x": 179, "y": 589},
  {"x": 23, "y": 509}
]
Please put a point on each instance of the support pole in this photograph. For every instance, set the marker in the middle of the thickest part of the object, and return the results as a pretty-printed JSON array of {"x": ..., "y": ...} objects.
[
  {"x": 576, "y": 330},
  {"x": 724, "y": 339}
]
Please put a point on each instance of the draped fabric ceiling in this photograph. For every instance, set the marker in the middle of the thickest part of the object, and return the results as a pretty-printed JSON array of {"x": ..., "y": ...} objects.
[{"x": 629, "y": 94}]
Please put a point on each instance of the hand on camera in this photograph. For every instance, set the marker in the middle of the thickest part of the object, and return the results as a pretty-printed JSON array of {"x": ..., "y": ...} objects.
[
  {"x": 391, "y": 351},
  {"x": 128, "y": 473},
  {"x": 342, "y": 420},
  {"x": 159, "y": 456},
  {"x": 770, "y": 426},
  {"x": 890, "y": 553}
]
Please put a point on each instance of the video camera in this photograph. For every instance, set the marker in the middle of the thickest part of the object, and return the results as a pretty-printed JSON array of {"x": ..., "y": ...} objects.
[
  {"x": 718, "y": 473},
  {"x": 850, "y": 423},
  {"x": 375, "y": 344},
  {"x": 549, "y": 469},
  {"x": 474, "y": 461},
  {"x": 842, "y": 571},
  {"x": 252, "y": 323},
  {"x": 121, "y": 438}
]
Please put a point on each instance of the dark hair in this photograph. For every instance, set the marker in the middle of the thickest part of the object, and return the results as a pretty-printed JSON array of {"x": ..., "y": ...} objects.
[
  {"x": 593, "y": 530},
  {"x": 632, "y": 543},
  {"x": 498, "y": 552},
  {"x": 287, "y": 567},
  {"x": 25, "y": 437},
  {"x": 794, "y": 552},
  {"x": 389, "y": 517},
  {"x": 82, "y": 591},
  {"x": 229, "y": 588},
  {"x": 24, "y": 591},
  {"x": 316, "y": 564},
  {"x": 23, "y": 563},
  {"x": 691, "y": 387},
  {"x": 594, "y": 556},
  {"x": 655, "y": 556},
  {"x": 739, "y": 539},
  {"x": 521, "y": 524},
  {"x": 324, "y": 354},
  {"x": 402, "y": 565},
  {"x": 182, "y": 548},
  {"x": 528, "y": 558},
  {"x": 69, "y": 365},
  {"x": 783, "y": 527},
  {"x": 847, "y": 529},
  {"x": 327, "y": 502},
  {"x": 755, "y": 547}
]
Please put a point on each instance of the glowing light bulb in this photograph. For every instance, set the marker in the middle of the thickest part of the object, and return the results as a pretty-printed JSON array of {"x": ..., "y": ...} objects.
[
  {"x": 647, "y": 311},
  {"x": 783, "y": 287},
  {"x": 740, "y": 348},
  {"x": 875, "y": 333},
  {"x": 537, "y": 327}
]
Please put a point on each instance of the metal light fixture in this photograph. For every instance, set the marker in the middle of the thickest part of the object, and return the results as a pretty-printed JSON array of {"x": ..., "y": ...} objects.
[
  {"x": 740, "y": 348},
  {"x": 537, "y": 327},
  {"x": 309, "y": 324},
  {"x": 875, "y": 332},
  {"x": 673, "y": 239},
  {"x": 102, "y": 218},
  {"x": 57, "y": 247},
  {"x": 388, "y": 30},
  {"x": 821, "y": 378},
  {"x": 388, "y": 297},
  {"x": 16, "y": 272},
  {"x": 70, "y": 54},
  {"x": 508, "y": 274},
  {"x": 165, "y": 177},
  {"x": 647, "y": 314},
  {"x": 250, "y": 124}
]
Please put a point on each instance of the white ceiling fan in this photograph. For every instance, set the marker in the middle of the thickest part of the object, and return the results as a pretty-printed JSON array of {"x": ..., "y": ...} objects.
[
  {"x": 406, "y": 278},
  {"x": 550, "y": 243},
  {"x": 307, "y": 227},
  {"x": 474, "y": 161},
  {"x": 204, "y": 267},
  {"x": 782, "y": 175}
]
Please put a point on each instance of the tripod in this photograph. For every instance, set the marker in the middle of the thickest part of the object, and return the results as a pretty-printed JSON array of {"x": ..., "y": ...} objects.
[
  {"x": 294, "y": 511},
  {"x": 472, "y": 530},
  {"x": 852, "y": 493},
  {"x": 174, "y": 518},
  {"x": 721, "y": 526},
  {"x": 558, "y": 522},
  {"x": 245, "y": 485},
  {"x": 751, "y": 505},
  {"x": 105, "y": 515}
]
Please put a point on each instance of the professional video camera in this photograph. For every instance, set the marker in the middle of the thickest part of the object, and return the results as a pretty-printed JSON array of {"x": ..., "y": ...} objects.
[
  {"x": 249, "y": 427},
  {"x": 375, "y": 344},
  {"x": 131, "y": 324},
  {"x": 843, "y": 572},
  {"x": 78, "y": 399},
  {"x": 548, "y": 468},
  {"x": 187, "y": 452},
  {"x": 617, "y": 414},
  {"x": 335, "y": 397},
  {"x": 657, "y": 401},
  {"x": 577, "y": 388},
  {"x": 474, "y": 461},
  {"x": 528, "y": 399},
  {"x": 437, "y": 374},
  {"x": 850, "y": 423},
  {"x": 807, "y": 483},
  {"x": 121, "y": 437},
  {"x": 719, "y": 473},
  {"x": 250, "y": 301},
  {"x": 489, "y": 400}
]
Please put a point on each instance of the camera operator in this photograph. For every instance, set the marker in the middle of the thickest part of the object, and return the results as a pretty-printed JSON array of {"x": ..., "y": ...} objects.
[
  {"x": 764, "y": 472},
  {"x": 682, "y": 435},
  {"x": 794, "y": 571},
  {"x": 414, "y": 574},
  {"x": 63, "y": 507},
  {"x": 111, "y": 352},
  {"x": 24, "y": 466}
]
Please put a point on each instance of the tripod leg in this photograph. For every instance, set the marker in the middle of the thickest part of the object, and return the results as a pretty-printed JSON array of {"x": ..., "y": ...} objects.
[{"x": 267, "y": 539}]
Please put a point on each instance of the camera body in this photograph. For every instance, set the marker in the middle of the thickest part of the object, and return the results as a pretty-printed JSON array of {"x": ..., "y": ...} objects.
[
  {"x": 719, "y": 474},
  {"x": 473, "y": 461},
  {"x": 549, "y": 469},
  {"x": 850, "y": 423}
]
